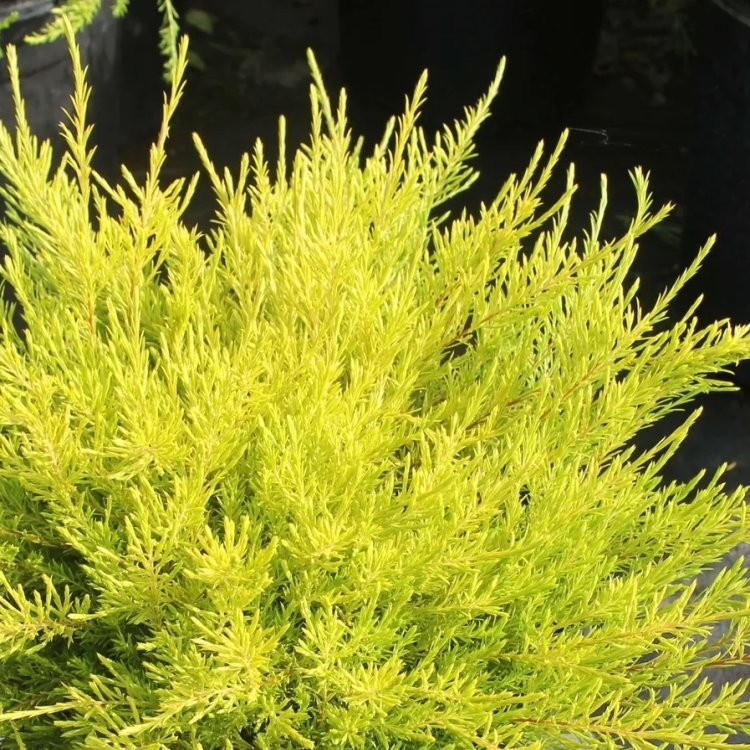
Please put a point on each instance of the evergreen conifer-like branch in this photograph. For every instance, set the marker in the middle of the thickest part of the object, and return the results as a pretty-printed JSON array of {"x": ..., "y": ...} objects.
[
  {"x": 80, "y": 13},
  {"x": 253, "y": 495}
]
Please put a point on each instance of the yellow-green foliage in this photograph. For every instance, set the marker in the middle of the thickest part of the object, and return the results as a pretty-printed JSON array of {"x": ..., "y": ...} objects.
[
  {"x": 347, "y": 471},
  {"x": 80, "y": 13}
]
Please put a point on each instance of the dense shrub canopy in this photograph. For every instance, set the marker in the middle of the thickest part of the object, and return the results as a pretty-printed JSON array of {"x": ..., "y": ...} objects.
[{"x": 347, "y": 470}]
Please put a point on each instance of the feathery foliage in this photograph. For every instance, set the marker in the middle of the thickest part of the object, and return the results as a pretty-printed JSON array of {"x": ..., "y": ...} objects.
[
  {"x": 80, "y": 13},
  {"x": 347, "y": 470}
]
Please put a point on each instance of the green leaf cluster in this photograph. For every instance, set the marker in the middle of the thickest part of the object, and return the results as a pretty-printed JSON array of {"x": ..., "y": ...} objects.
[
  {"x": 348, "y": 470},
  {"x": 80, "y": 13}
]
